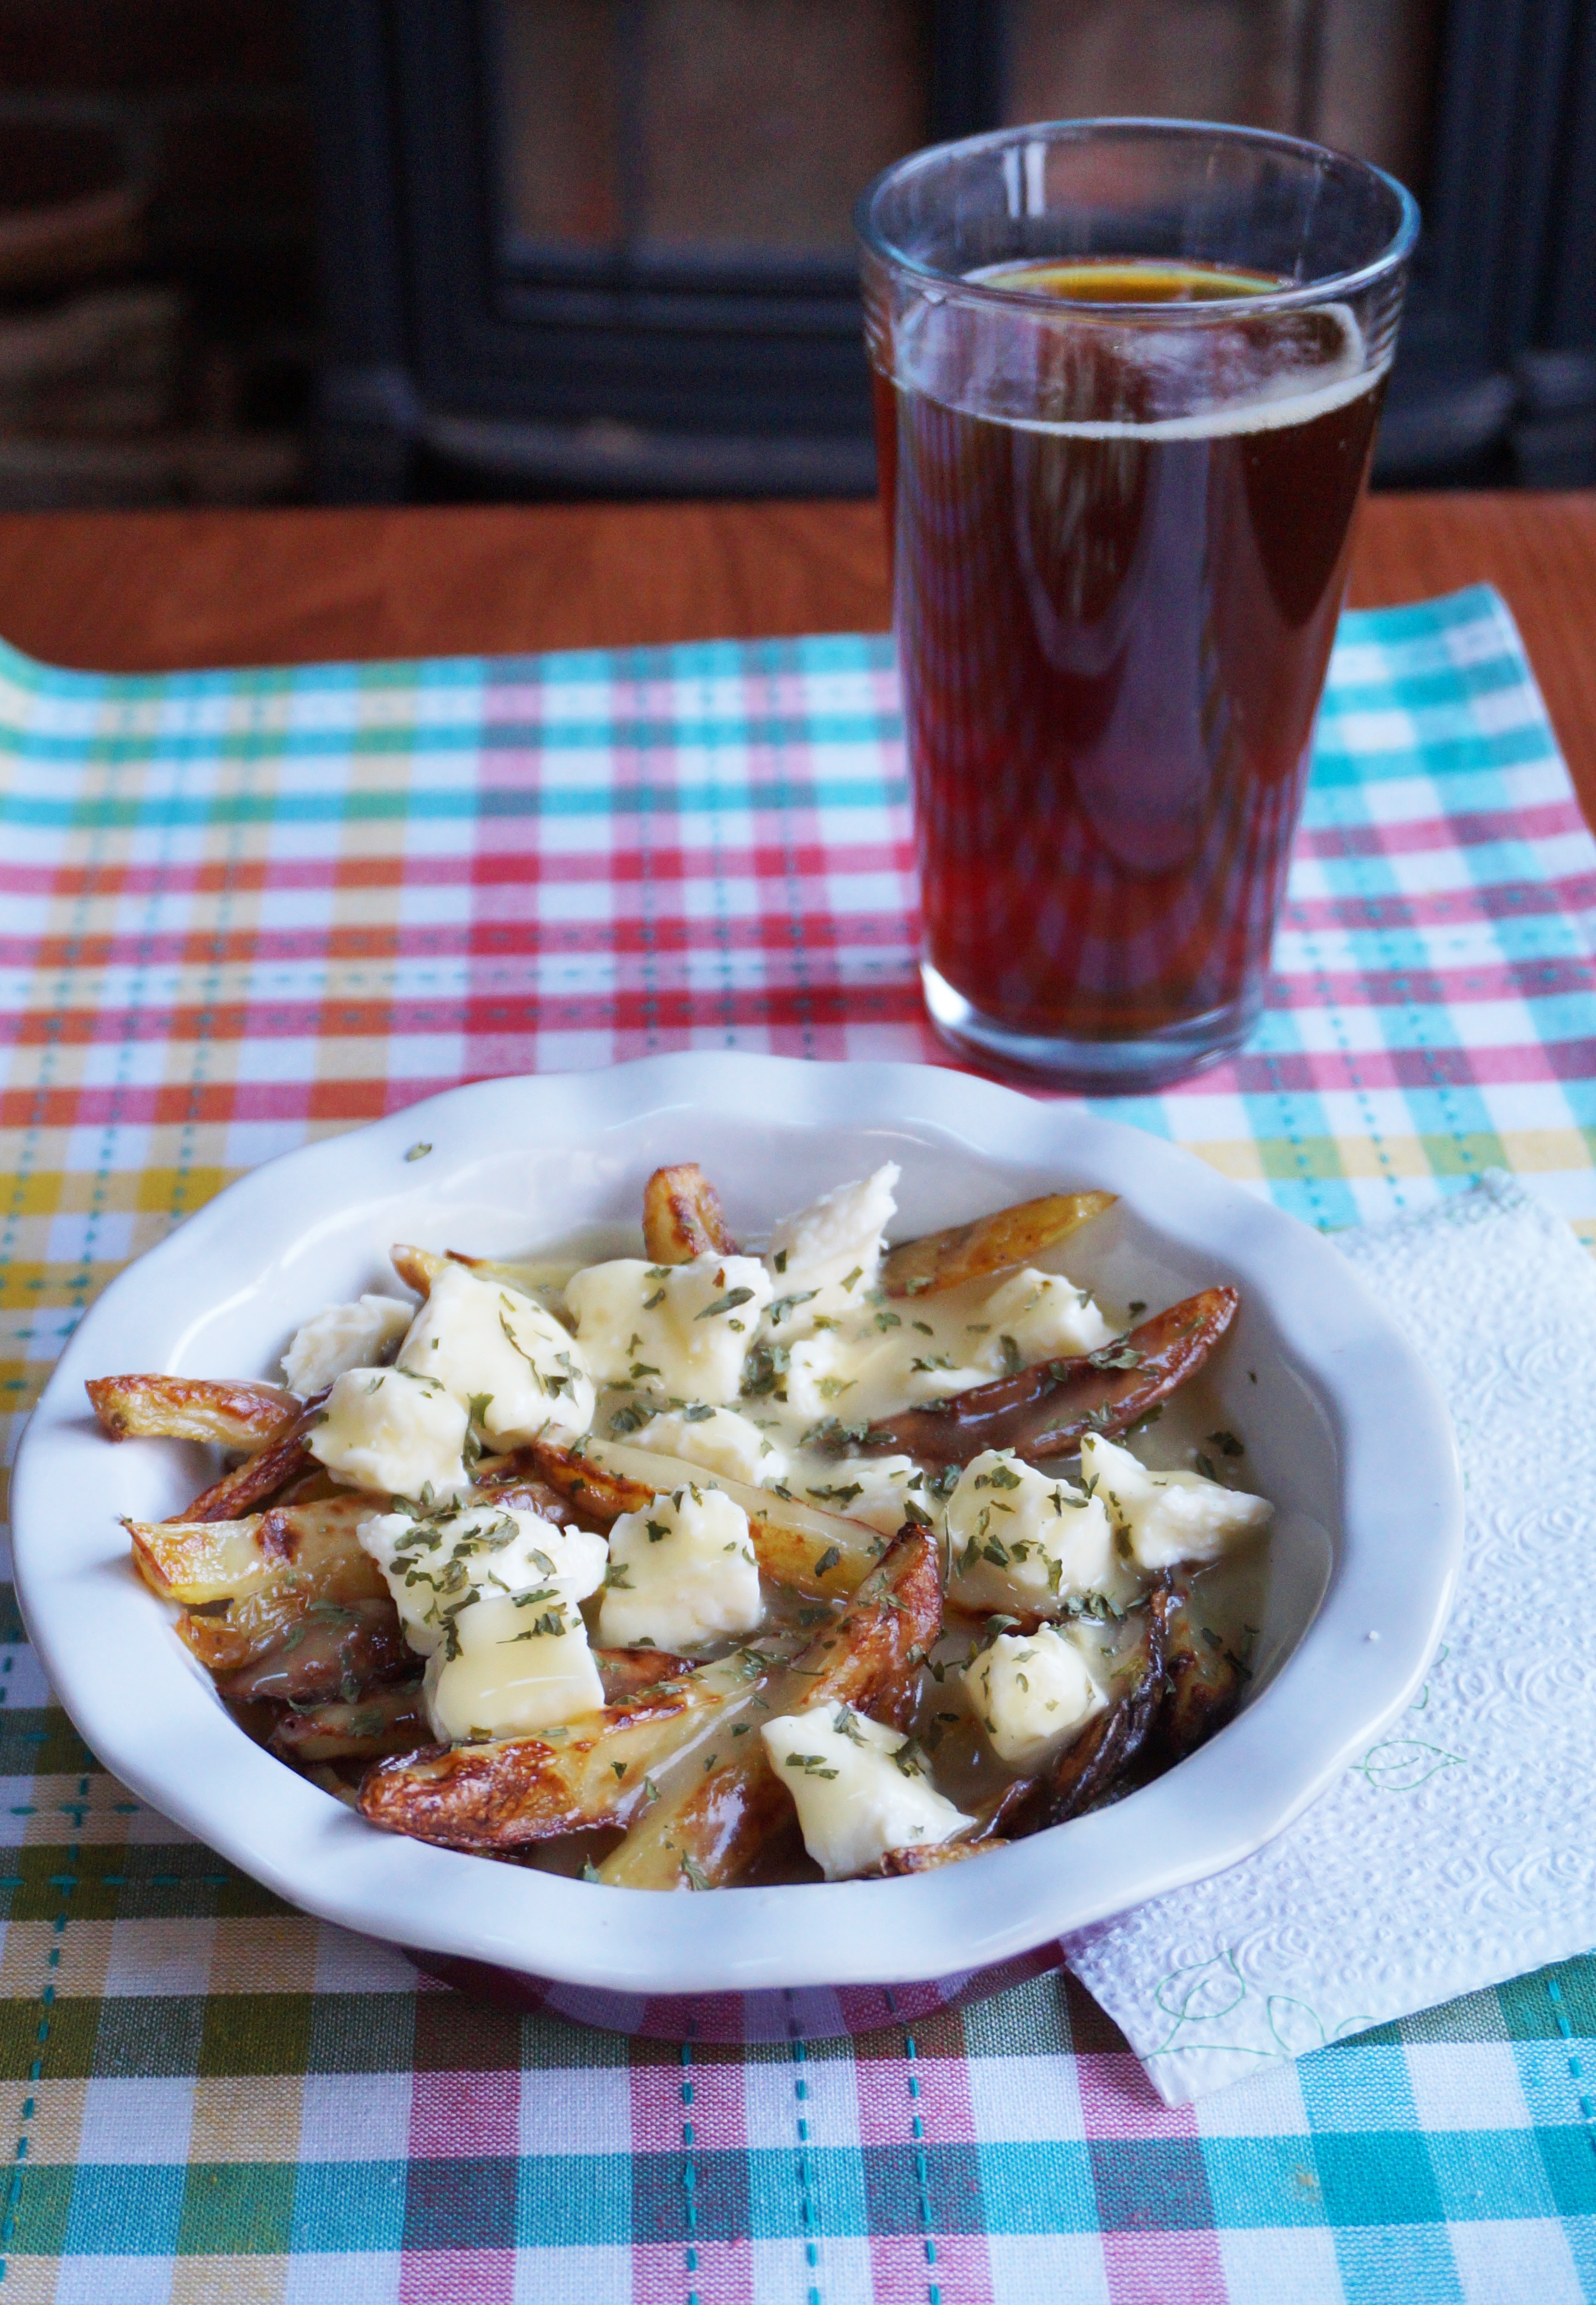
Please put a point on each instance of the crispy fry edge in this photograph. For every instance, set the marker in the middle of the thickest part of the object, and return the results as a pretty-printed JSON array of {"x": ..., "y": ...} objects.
[
  {"x": 993, "y": 1244},
  {"x": 233, "y": 1413},
  {"x": 683, "y": 1217}
]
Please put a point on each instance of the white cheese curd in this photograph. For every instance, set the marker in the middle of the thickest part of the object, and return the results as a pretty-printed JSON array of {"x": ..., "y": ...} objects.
[
  {"x": 498, "y": 1550},
  {"x": 511, "y": 1671},
  {"x": 1031, "y": 1692},
  {"x": 821, "y": 1370},
  {"x": 1036, "y": 1316},
  {"x": 343, "y": 1337},
  {"x": 504, "y": 1355},
  {"x": 683, "y": 1329},
  {"x": 681, "y": 1573},
  {"x": 825, "y": 1258},
  {"x": 860, "y": 1788},
  {"x": 873, "y": 1490},
  {"x": 393, "y": 1432},
  {"x": 926, "y": 1374},
  {"x": 859, "y": 1371},
  {"x": 1023, "y": 1539},
  {"x": 1170, "y": 1516},
  {"x": 717, "y": 1439}
]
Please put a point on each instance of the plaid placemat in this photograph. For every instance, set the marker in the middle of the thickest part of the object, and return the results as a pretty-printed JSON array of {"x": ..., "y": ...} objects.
[{"x": 240, "y": 910}]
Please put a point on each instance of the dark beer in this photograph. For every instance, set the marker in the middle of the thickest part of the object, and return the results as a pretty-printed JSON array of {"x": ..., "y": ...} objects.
[{"x": 1114, "y": 626}]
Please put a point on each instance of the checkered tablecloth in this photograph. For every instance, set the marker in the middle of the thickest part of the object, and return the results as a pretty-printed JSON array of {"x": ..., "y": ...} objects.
[{"x": 240, "y": 910}]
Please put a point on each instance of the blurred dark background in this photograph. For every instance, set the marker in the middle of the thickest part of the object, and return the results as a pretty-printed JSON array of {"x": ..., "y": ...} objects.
[
  {"x": 445, "y": 249},
  {"x": 158, "y": 304}
]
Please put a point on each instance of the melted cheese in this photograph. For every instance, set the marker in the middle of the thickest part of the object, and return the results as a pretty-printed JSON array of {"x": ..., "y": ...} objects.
[
  {"x": 717, "y": 1440},
  {"x": 855, "y": 1801},
  {"x": 882, "y": 1492},
  {"x": 681, "y": 1573},
  {"x": 491, "y": 1550},
  {"x": 1171, "y": 1516},
  {"x": 826, "y": 1256},
  {"x": 506, "y": 1353},
  {"x": 680, "y": 1330},
  {"x": 343, "y": 1337},
  {"x": 854, "y": 1369},
  {"x": 1031, "y": 1693},
  {"x": 1026, "y": 1540},
  {"x": 510, "y": 1672},
  {"x": 1034, "y": 1316},
  {"x": 391, "y": 1433}
]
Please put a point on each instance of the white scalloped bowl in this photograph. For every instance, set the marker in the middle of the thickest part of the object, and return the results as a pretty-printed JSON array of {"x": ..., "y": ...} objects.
[{"x": 1346, "y": 1433}]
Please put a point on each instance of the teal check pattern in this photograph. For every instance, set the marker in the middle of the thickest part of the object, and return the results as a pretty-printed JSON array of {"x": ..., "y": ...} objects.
[{"x": 242, "y": 910}]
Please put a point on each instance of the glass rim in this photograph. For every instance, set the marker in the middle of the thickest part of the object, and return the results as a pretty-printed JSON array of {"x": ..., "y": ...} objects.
[{"x": 1396, "y": 250}]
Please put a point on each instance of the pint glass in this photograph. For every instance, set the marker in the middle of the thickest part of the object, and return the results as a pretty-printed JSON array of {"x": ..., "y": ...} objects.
[{"x": 1127, "y": 376}]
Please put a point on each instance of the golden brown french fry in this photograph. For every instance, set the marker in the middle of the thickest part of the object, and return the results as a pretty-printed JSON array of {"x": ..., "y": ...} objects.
[
  {"x": 282, "y": 1560},
  {"x": 201, "y": 1561},
  {"x": 624, "y": 1673},
  {"x": 592, "y": 1488},
  {"x": 597, "y": 1770},
  {"x": 1009, "y": 1236},
  {"x": 418, "y": 1268},
  {"x": 236, "y": 1413},
  {"x": 384, "y": 1721},
  {"x": 511, "y": 1480},
  {"x": 336, "y": 1649},
  {"x": 818, "y": 1553},
  {"x": 712, "y": 1816},
  {"x": 315, "y": 1487},
  {"x": 232, "y": 1634},
  {"x": 285, "y": 1459},
  {"x": 931, "y": 1859},
  {"x": 683, "y": 1217},
  {"x": 1202, "y": 1681},
  {"x": 811, "y": 1563},
  {"x": 1045, "y": 1410}
]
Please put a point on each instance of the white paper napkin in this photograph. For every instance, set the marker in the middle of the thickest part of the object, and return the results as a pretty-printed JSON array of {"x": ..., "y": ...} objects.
[{"x": 1461, "y": 1848}]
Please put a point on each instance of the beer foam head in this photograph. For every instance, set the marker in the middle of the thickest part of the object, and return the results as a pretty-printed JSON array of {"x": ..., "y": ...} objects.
[{"x": 1100, "y": 376}]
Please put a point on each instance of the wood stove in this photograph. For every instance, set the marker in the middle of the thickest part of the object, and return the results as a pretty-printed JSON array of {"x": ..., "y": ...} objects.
[{"x": 580, "y": 247}]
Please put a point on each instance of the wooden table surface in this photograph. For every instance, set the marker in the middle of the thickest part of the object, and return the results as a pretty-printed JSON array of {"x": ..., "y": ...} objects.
[{"x": 134, "y": 591}]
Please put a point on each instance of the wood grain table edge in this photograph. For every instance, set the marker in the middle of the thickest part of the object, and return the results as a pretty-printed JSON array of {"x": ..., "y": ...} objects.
[
  {"x": 153, "y": 592},
  {"x": 160, "y": 591}
]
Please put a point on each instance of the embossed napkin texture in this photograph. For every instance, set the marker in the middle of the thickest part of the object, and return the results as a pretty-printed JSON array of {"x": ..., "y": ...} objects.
[{"x": 1461, "y": 1848}]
